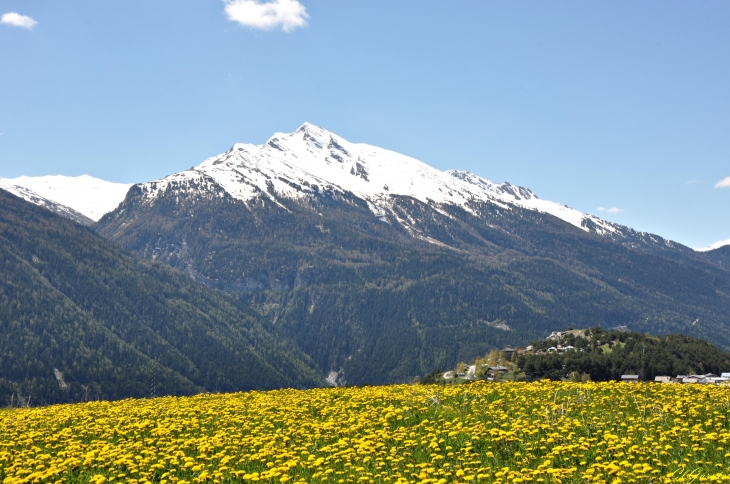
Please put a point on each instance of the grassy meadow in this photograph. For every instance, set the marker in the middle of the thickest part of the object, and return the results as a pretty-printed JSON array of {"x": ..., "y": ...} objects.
[{"x": 547, "y": 432}]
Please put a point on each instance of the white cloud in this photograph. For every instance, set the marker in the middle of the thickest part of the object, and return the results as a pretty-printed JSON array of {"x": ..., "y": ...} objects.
[
  {"x": 610, "y": 210},
  {"x": 287, "y": 14},
  {"x": 724, "y": 183},
  {"x": 17, "y": 20}
]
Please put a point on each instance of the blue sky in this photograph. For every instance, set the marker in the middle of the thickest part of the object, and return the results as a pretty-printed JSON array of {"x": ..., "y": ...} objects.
[{"x": 593, "y": 104}]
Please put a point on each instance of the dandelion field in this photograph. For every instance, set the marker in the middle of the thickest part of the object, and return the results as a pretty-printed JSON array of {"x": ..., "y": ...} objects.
[{"x": 484, "y": 432}]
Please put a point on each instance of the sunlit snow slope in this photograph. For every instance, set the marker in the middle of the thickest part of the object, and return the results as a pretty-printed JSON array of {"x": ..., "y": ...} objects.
[
  {"x": 311, "y": 160},
  {"x": 84, "y": 194},
  {"x": 30, "y": 196}
]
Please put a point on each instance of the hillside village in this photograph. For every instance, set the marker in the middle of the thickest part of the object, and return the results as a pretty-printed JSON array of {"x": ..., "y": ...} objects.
[{"x": 571, "y": 347}]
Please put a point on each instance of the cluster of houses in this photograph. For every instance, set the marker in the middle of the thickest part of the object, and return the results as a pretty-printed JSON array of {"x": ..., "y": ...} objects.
[
  {"x": 490, "y": 372},
  {"x": 555, "y": 335},
  {"x": 493, "y": 372},
  {"x": 558, "y": 349},
  {"x": 706, "y": 379},
  {"x": 471, "y": 372}
]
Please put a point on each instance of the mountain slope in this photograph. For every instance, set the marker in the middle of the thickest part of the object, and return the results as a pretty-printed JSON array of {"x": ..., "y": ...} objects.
[
  {"x": 85, "y": 195},
  {"x": 115, "y": 325},
  {"x": 381, "y": 285}
]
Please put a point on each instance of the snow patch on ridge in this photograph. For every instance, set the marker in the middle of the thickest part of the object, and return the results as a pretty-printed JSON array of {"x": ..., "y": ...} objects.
[
  {"x": 714, "y": 246},
  {"x": 523, "y": 197}
]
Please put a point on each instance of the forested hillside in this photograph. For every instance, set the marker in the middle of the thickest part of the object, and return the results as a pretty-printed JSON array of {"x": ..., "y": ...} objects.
[
  {"x": 83, "y": 319},
  {"x": 379, "y": 301},
  {"x": 720, "y": 256},
  {"x": 606, "y": 355}
]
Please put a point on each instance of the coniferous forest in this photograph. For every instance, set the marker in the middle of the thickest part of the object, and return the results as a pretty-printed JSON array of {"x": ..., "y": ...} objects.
[{"x": 82, "y": 319}]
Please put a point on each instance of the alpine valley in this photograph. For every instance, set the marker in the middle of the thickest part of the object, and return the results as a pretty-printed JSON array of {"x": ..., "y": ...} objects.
[{"x": 380, "y": 268}]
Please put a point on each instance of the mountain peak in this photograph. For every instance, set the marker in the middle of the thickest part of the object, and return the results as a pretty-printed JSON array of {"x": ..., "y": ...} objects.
[
  {"x": 315, "y": 136},
  {"x": 309, "y": 127}
]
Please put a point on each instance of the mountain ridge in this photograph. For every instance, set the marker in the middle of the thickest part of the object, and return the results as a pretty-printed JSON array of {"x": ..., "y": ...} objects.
[{"x": 362, "y": 170}]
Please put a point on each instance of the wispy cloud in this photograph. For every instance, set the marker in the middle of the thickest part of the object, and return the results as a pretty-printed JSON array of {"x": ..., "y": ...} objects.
[
  {"x": 610, "y": 210},
  {"x": 724, "y": 183},
  {"x": 17, "y": 20},
  {"x": 287, "y": 14},
  {"x": 693, "y": 181}
]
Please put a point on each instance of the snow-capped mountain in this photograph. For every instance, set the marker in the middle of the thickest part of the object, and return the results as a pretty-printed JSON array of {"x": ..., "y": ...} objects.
[
  {"x": 312, "y": 160},
  {"x": 381, "y": 267},
  {"x": 714, "y": 246},
  {"x": 67, "y": 195}
]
